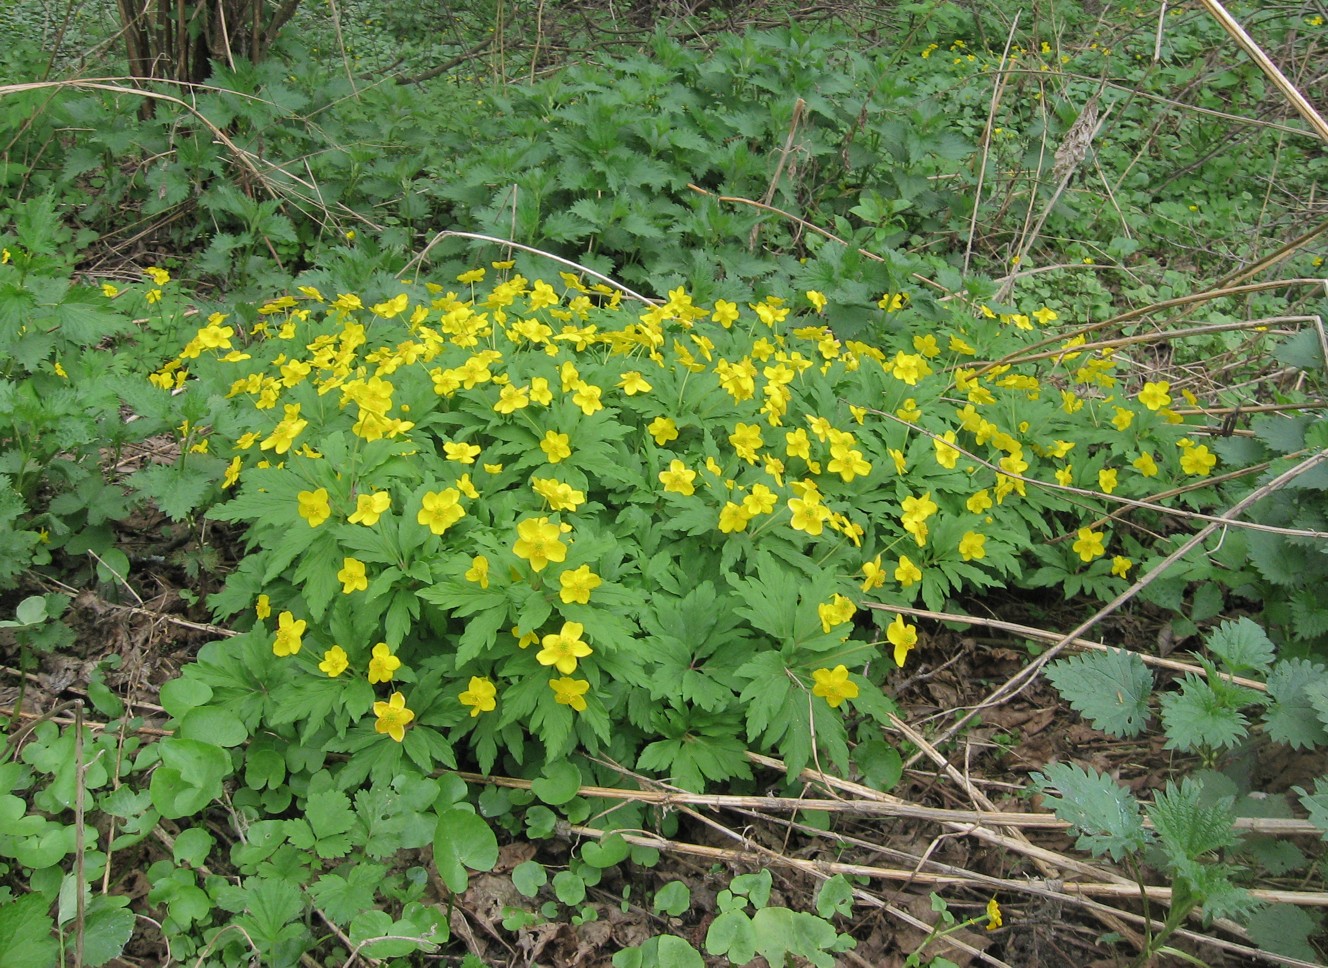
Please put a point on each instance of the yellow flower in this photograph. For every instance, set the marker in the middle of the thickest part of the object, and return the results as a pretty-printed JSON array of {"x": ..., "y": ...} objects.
[
  {"x": 633, "y": 383},
  {"x": 561, "y": 649},
  {"x": 746, "y": 441},
  {"x": 837, "y": 611},
  {"x": 314, "y": 506},
  {"x": 232, "y": 472},
  {"x": 678, "y": 479},
  {"x": 109, "y": 291},
  {"x": 263, "y": 607},
  {"x": 1154, "y": 396},
  {"x": 538, "y": 543},
  {"x": 439, "y": 510},
  {"x": 480, "y": 696},
  {"x": 511, "y": 399},
  {"x": 1065, "y": 476},
  {"x": 471, "y": 276},
  {"x": 392, "y": 307},
  {"x": 903, "y": 637},
  {"x": 352, "y": 576},
  {"x": 461, "y": 452},
  {"x": 663, "y": 429},
  {"x": 847, "y": 462},
  {"x": 370, "y": 507},
  {"x": 587, "y": 398},
  {"x": 157, "y": 275},
  {"x": 874, "y": 574},
  {"x": 733, "y": 517},
  {"x": 478, "y": 571},
  {"x": 907, "y": 573},
  {"x": 577, "y": 585},
  {"x": 1090, "y": 544},
  {"x": 809, "y": 514},
  {"x": 556, "y": 446},
  {"x": 761, "y": 500},
  {"x": 834, "y": 686},
  {"x": 972, "y": 545},
  {"x": 1106, "y": 480},
  {"x": 382, "y": 664},
  {"x": 570, "y": 692},
  {"x": 994, "y": 919},
  {"x": 1120, "y": 566},
  {"x": 335, "y": 662},
  {"x": 978, "y": 501},
  {"x": 289, "y": 635},
  {"x": 946, "y": 453},
  {"x": 1122, "y": 419},
  {"x": 1198, "y": 460},
  {"x": 393, "y": 717},
  {"x": 1145, "y": 465}
]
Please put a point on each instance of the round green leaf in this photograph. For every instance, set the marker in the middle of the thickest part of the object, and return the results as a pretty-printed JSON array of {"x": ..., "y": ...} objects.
[
  {"x": 608, "y": 852},
  {"x": 220, "y": 727},
  {"x": 181, "y": 695},
  {"x": 560, "y": 782},
  {"x": 570, "y": 888},
  {"x": 462, "y": 840},
  {"x": 528, "y": 877}
]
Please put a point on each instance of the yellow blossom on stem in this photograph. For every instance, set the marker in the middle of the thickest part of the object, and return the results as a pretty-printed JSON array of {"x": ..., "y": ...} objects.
[
  {"x": 837, "y": 611},
  {"x": 478, "y": 572},
  {"x": 834, "y": 686},
  {"x": 570, "y": 692},
  {"x": 972, "y": 546},
  {"x": 1145, "y": 465},
  {"x": 335, "y": 662},
  {"x": 314, "y": 506},
  {"x": 1089, "y": 544},
  {"x": 263, "y": 607},
  {"x": 994, "y": 919},
  {"x": 556, "y": 446},
  {"x": 1154, "y": 396},
  {"x": 479, "y": 696},
  {"x": 663, "y": 429},
  {"x": 370, "y": 507},
  {"x": 903, "y": 637},
  {"x": 439, "y": 510},
  {"x": 461, "y": 452},
  {"x": 1120, "y": 566},
  {"x": 678, "y": 479},
  {"x": 946, "y": 453},
  {"x": 393, "y": 717},
  {"x": 979, "y": 501},
  {"x": 563, "y": 648},
  {"x": 1199, "y": 460},
  {"x": 352, "y": 576},
  {"x": 587, "y": 398},
  {"x": 873, "y": 574},
  {"x": 761, "y": 500},
  {"x": 382, "y": 663},
  {"x": 632, "y": 383},
  {"x": 290, "y": 633},
  {"x": 577, "y": 584},
  {"x": 1122, "y": 418},
  {"x": 809, "y": 514},
  {"x": 538, "y": 543},
  {"x": 907, "y": 573},
  {"x": 733, "y": 517},
  {"x": 1106, "y": 480}
]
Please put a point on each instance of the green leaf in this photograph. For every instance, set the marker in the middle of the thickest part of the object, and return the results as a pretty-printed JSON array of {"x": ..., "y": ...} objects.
[
  {"x": 529, "y": 876},
  {"x": 673, "y": 898},
  {"x": 343, "y": 895},
  {"x": 210, "y": 724},
  {"x": 558, "y": 784},
  {"x": 1110, "y": 688},
  {"x": 189, "y": 777},
  {"x": 781, "y": 932},
  {"x": 1317, "y": 804},
  {"x": 1105, "y": 814},
  {"x": 1186, "y": 826},
  {"x": 1197, "y": 718},
  {"x": 732, "y": 934},
  {"x": 26, "y": 934},
  {"x": 107, "y": 927},
  {"x": 569, "y": 888},
  {"x": 1292, "y": 717},
  {"x": 835, "y": 897},
  {"x": 1285, "y": 929},
  {"x": 1242, "y": 645},
  {"x": 609, "y": 851},
  {"x": 462, "y": 840}
]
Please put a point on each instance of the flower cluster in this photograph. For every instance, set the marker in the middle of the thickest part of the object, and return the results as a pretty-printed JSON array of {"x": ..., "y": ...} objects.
[{"x": 428, "y": 470}]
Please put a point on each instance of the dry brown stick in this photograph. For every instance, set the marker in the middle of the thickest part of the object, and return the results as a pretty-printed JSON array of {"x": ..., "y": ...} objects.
[
  {"x": 798, "y": 107},
  {"x": 1023, "y": 679},
  {"x": 1265, "y": 64},
  {"x": 1002, "y": 78},
  {"x": 1087, "y": 645}
]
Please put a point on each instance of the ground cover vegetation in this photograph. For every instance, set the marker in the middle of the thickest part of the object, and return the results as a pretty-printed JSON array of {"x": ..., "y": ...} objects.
[{"x": 636, "y": 486}]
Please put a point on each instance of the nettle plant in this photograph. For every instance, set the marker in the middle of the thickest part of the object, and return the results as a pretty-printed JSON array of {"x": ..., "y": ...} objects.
[{"x": 530, "y": 520}]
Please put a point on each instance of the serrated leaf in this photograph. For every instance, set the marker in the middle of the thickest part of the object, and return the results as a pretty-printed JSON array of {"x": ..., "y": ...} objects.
[
  {"x": 1242, "y": 645},
  {"x": 1317, "y": 804},
  {"x": 1292, "y": 718},
  {"x": 177, "y": 491},
  {"x": 1111, "y": 689},
  {"x": 26, "y": 939},
  {"x": 1196, "y": 718},
  {"x": 1284, "y": 929},
  {"x": 1188, "y": 827},
  {"x": 1105, "y": 814},
  {"x": 341, "y": 896}
]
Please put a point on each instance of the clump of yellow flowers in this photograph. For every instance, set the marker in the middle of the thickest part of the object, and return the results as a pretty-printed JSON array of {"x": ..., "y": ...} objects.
[{"x": 697, "y": 514}]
